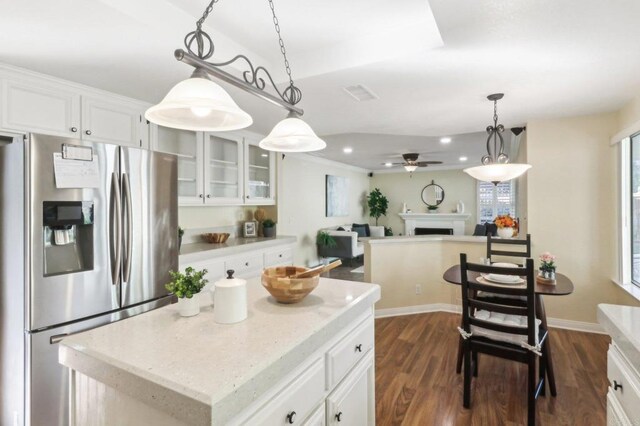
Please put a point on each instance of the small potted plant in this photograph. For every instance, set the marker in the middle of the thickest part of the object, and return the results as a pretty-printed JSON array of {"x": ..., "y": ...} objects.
[
  {"x": 547, "y": 268},
  {"x": 180, "y": 235},
  {"x": 268, "y": 228},
  {"x": 185, "y": 286},
  {"x": 325, "y": 241},
  {"x": 388, "y": 232},
  {"x": 505, "y": 224},
  {"x": 432, "y": 208}
]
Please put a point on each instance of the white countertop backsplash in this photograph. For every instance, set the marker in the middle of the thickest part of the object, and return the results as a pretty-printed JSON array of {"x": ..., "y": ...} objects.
[
  {"x": 205, "y": 372},
  {"x": 622, "y": 323}
]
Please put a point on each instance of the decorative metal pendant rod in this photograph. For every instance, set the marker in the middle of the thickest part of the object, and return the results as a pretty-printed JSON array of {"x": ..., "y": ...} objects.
[{"x": 215, "y": 70}]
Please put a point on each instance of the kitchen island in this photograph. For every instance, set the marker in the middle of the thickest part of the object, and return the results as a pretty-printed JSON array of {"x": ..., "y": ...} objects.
[{"x": 297, "y": 363}]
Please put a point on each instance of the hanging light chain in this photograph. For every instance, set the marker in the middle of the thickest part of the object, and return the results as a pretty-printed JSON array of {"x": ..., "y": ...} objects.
[
  {"x": 293, "y": 93},
  {"x": 206, "y": 13}
]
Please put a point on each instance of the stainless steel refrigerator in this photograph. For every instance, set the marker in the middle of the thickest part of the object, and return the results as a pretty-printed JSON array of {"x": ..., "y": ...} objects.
[{"x": 89, "y": 233}]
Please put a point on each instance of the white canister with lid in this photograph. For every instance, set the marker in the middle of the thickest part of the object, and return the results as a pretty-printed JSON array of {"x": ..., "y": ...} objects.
[{"x": 230, "y": 300}]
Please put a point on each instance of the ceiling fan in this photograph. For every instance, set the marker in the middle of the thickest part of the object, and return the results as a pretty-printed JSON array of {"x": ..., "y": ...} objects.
[{"x": 411, "y": 162}]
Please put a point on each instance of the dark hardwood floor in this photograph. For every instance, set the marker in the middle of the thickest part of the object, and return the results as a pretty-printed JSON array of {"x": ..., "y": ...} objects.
[{"x": 416, "y": 382}]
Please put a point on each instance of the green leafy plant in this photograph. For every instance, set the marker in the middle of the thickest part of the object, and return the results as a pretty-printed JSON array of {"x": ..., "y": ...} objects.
[
  {"x": 268, "y": 223},
  {"x": 388, "y": 232},
  {"x": 378, "y": 204},
  {"x": 324, "y": 239},
  {"x": 432, "y": 208},
  {"x": 187, "y": 284},
  {"x": 180, "y": 232}
]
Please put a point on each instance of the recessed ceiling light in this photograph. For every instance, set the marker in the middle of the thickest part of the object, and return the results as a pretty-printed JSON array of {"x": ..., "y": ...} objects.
[
  {"x": 388, "y": 164},
  {"x": 463, "y": 158},
  {"x": 347, "y": 150},
  {"x": 264, "y": 155},
  {"x": 445, "y": 140}
]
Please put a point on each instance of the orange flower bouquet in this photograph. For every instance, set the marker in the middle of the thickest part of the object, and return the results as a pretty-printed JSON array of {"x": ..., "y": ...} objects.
[{"x": 504, "y": 221}]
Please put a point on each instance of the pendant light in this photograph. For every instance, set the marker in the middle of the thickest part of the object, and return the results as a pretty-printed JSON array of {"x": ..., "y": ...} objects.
[
  {"x": 495, "y": 165},
  {"x": 410, "y": 167},
  {"x": 292, "y": 135},
  {"x": 200, "y": 104}
]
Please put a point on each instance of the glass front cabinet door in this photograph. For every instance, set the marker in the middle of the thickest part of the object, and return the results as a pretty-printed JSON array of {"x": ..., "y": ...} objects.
[
  {"x": 259, "y": 174},
  {"x": 223, "y": 169},
  {"x": 188, "y": 146}
]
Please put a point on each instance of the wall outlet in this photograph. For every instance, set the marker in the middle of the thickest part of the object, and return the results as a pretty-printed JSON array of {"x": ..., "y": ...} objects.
[{"x": 418, "y": 289}]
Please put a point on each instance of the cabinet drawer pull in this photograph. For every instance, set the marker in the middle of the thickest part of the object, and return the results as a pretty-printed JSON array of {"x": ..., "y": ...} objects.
[
  {"x": 208, "y": 195},
  {"x": 74, "y": 129},
  {"x": 246, "y": 263},
  {"x": 280, "y": 255},
  {"x": 200, "y": 195},
  {"x": 291, "y": 417},
  {"x": 88, "y": 132},
  {"x": 359, "y": 347},
  {"x": 617, "y": 385},
  {"x": 339, "y": 417}
]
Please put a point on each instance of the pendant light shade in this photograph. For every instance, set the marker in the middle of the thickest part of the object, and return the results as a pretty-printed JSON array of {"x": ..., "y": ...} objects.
[
  {"x": 292, "y": 135},
  {"x": 410, "y": 167},
  {"x": 198, "y": 104},
  {"x": 497, "y": 173}
]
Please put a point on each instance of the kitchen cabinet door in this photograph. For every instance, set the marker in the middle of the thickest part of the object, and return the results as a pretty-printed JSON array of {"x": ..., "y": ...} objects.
[
  {"x": 259, "y": 174},
  {"x": 352, "y": 402},
  {"x": 111, "y": 121},
  {"x": 223, "y": 169},
  {"x": 30, "y": 105},
  {"x": 188, "y": 146}
]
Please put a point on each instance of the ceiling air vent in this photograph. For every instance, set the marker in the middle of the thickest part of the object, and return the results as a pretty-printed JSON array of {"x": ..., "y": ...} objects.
[{"x": 361, "y": 93}]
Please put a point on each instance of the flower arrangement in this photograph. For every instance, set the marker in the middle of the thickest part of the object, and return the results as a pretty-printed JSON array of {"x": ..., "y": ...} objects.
[
  {"x": 504, "y": 221},
  {"x": 547, "y": 262}
]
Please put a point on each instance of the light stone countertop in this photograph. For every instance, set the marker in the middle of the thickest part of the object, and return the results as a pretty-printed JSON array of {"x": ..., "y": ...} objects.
[
  {"x": 203, "y": 251},
  {"x": 201, "y": 372},
  {"x": 622, "y": 323}
]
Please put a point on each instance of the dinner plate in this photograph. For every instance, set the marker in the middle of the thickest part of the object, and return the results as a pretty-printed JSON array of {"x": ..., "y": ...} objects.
[
  {"x": 505, "y": 265},
  {"x": 503, "y": 279}
]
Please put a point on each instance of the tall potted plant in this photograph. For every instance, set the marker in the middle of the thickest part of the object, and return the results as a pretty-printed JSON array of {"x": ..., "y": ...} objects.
[
  {"x": 185, "y": 286},
  {"x": 378, "y": 204}
]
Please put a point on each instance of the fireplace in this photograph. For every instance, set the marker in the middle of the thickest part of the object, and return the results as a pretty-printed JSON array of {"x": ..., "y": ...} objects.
[
  {"x": 449, "y": 221},
  {"x": 433, "y": 231}
]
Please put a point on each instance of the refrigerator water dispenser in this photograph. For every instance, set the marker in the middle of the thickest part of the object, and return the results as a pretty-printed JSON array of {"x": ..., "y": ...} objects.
[{"x": 68, "y": 237}]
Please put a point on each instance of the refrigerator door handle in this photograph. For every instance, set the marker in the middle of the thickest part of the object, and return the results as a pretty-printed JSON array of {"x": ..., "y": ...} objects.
[
  {"x": 127, "y": 197},
  {"x": 116, "y": 237}
]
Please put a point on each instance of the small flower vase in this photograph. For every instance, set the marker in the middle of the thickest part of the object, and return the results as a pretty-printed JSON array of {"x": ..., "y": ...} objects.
[
  {"x": 188, "y": 307},
  {"x": 547, "y": 274},
  {"x": 505, "y": 232}
]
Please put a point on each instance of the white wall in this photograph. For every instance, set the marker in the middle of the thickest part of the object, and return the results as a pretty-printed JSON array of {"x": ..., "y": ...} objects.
[
  {"x": 301, "y": 200},
  {"x": 402, "y": 187},
  {"x": 573, "y": 209}
]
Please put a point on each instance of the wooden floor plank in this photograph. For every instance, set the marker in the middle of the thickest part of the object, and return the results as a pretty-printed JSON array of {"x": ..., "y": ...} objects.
[{"x": 416, "y": 383}]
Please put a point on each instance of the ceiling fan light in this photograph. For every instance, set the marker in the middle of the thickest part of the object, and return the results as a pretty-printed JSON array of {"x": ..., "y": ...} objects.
[
  {"x": 292, "y": 135},
  {"x": 497, "y": 172},
  {"x": 198, "y": 104},
  {"x": 410, "y": 167}
]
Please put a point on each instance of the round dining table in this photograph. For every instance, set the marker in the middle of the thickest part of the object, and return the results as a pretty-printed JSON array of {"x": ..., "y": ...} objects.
[{"x": 563, "y": 287}]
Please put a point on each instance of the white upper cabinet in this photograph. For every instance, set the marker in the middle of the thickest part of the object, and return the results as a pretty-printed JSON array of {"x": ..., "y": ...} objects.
[
  {"x": 223, "y": 168},
  {"x": 110, "y": 121},
  {"x": 259, "y": 174},
  {"x": 32, "y": 106},
  {"x": 189, "y": 147},
  {"x": 40, "y": 104}
]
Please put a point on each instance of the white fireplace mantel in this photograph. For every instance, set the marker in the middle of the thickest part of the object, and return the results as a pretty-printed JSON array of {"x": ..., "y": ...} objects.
[{"x": 454, "y": 221}]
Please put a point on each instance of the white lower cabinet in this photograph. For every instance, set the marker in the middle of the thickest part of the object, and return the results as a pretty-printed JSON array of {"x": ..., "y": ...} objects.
[
  {"x": 623, "y": 398},
  {"x": 350, "y": 403},
  {"x": 309, "y": 396},
  {"x": 317, "y": 418}
]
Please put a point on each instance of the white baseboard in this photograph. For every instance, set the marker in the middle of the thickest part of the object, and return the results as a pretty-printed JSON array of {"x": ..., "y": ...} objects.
[{"x": 587, "y": 327}]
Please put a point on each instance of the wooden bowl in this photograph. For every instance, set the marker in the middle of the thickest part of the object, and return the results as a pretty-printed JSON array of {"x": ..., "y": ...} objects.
[
  {"x": 284, "y": 289},
  {"x": 215, "y": 238}
]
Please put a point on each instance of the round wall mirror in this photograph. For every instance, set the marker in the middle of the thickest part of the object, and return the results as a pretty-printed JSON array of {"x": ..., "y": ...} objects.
[{"x": 432, "y": 194}]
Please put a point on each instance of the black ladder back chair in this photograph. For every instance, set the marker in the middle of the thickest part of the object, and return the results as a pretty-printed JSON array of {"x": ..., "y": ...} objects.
[
  {"x": 492, "y": 250},
  {"x": 505, "y": 331}
]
